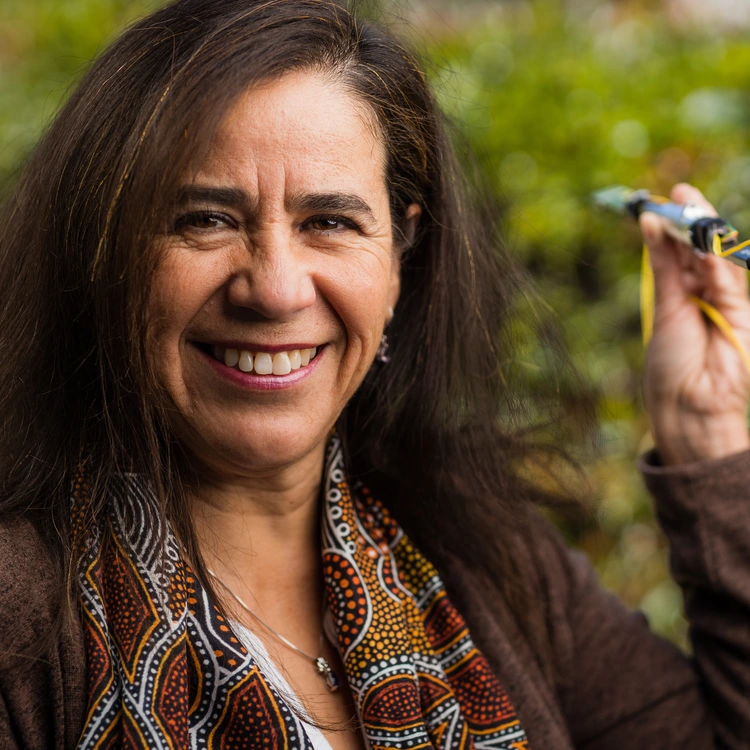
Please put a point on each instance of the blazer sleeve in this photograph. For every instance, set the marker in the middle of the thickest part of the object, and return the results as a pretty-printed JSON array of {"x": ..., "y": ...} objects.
[
  {"x": 42, "y": 660},
  {"x": 7, "y": 735},
  {"x": 704, "y": 509},
  {"x": 620, "y": 685}
]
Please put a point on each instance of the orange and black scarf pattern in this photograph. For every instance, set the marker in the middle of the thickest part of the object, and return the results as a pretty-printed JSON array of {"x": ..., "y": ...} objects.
[{"x": 165, "y": 669}]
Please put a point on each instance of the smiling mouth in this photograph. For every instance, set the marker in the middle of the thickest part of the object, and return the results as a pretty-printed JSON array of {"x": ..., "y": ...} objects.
[{"x": 262, "y": 363}]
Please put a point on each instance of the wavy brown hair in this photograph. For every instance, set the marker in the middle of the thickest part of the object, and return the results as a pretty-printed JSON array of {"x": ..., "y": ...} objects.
[{"x": 442, "y": 431}]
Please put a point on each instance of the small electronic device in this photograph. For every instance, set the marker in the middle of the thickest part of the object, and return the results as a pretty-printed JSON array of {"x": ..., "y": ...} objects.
[{"x": 688, "y": 223}]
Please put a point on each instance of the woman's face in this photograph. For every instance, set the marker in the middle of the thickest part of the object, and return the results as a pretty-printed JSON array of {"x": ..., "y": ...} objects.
[{"x": 281, "y": 249}]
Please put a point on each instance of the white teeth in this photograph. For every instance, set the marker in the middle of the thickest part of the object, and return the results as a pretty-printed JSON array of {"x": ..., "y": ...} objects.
[
  {"x": 246, "y": 362},
  {"x": 263, "y": 363},
  {"x": 281, "y": 364},
  {"x": 231, "y": 357}
]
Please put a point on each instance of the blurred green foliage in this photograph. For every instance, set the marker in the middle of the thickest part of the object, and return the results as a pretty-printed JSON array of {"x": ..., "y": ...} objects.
[
  {"x": 558, "y": 99},
  {"x": 563, "y": 98},
  {"x": 45, "y": 45}
]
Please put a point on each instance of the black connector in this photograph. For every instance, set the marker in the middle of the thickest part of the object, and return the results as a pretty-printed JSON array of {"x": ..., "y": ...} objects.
[{"x": 703, "y": 231}]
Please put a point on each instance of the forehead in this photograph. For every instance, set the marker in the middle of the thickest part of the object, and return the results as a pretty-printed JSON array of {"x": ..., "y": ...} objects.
[{"x": 304, "y": 131}]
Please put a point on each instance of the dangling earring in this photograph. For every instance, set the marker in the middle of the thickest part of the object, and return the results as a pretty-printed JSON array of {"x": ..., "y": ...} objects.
[{"x": 382, "y": 354}]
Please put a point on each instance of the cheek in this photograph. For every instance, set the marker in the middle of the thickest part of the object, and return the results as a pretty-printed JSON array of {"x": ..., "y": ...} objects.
[
  {"x": 175, "y": 297},
  {"x": 358, "y": 292},
  {"x": 182, "y": 285},
  {"x": 165, "y": 310}
]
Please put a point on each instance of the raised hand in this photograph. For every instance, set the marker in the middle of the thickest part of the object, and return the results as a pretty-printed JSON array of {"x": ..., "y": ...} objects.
[{"x": 696, "y": 385}]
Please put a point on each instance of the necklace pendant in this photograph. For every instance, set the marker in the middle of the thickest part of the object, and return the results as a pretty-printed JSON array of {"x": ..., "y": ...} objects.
[{"x": 331, "y": 679}]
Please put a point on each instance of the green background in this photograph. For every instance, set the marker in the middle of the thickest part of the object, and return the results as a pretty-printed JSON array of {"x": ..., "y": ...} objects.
[{"x": 558, "y": 99}]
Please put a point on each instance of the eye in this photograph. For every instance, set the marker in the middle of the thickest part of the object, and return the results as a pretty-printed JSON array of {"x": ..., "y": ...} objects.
[
  {"x": 203, "y": 221},
  {"x": 328, "y": 224}
]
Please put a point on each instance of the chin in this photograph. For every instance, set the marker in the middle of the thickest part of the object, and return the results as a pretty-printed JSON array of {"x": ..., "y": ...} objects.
[{"x": 262, "y": 449}]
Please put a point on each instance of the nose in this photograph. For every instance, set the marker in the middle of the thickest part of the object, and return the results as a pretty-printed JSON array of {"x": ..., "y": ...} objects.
[{"x": 271, "y": 278}]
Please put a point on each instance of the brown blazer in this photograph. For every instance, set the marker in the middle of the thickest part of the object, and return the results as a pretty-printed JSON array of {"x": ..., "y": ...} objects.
[{"x": 618, "y": 687}]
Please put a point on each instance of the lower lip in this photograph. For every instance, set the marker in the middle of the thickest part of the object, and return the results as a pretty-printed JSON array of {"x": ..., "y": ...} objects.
[{"x": 263, "y": 382}]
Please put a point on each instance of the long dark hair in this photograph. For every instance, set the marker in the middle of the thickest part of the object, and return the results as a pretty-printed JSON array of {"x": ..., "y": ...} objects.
[{"x": 437, "y": 431}]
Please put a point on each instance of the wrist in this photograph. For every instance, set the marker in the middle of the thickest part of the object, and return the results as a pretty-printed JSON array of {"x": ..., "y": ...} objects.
[{"x": 682, "y": 441}]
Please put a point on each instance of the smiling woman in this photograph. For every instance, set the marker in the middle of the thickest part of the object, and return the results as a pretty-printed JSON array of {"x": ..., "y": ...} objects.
[
  {"x": 266, "y": 476},
  {"x": 281, "y": 251}
]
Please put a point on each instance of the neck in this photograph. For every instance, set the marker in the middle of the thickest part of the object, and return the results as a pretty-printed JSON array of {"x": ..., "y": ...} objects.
[{"x": 260, "y": 535}]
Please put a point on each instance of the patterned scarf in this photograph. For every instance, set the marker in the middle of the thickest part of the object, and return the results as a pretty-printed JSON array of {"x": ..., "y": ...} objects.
[{"x": 165, "y": 669}]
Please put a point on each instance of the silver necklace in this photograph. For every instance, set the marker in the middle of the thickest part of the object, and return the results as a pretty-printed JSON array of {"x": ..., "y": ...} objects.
[{"x": 322, "y": 667}]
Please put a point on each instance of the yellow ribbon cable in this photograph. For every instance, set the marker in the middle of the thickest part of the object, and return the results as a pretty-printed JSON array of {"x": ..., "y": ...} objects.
[
  {"x": 718, "y": 250},
  {"x": 647, "y": 296},
  {"x": 723, "y": 325},
  {"x": 648, "y": 300}
]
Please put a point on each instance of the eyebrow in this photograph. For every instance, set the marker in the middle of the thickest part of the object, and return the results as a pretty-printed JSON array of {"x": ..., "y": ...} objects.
[
  {"x": 230, "y": 197},
  {"x": 344, "y": 202},
  {"x": 234, "y": 197}
]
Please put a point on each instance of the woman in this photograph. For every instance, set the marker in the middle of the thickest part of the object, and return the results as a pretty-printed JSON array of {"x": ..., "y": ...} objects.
[{"x": 249, "y": 314}]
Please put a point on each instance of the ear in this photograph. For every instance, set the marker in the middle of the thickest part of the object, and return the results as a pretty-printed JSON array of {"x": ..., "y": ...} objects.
[
  {"x": 411, "y": 220},
  {"x": 394, "y": 283}
]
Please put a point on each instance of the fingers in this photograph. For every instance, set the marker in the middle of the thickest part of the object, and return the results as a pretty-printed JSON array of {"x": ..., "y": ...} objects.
[
  {"x": 684, "y": 193},
  {"x": 724, "y": 283},
  {"x": 680, "y": 273},
  {"x": 668, "y": 264}
]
